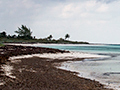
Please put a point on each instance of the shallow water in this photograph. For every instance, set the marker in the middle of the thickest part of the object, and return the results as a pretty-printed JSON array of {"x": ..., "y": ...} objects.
[
  {"x": 85, "y": 48},
  {"x": 106, "y": 70}
]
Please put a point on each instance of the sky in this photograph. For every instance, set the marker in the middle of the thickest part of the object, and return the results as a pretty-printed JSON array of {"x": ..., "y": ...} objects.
[{"x": 95, "y": 21}]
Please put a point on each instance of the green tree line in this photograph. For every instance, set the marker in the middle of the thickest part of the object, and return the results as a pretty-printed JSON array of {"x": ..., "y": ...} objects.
[{"x": 25, "y": 33}]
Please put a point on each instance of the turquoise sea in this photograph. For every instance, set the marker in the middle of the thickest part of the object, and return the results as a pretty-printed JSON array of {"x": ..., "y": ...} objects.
[
  {"x": 110, "y": 48},
  {"x": 106, "y": 70}
]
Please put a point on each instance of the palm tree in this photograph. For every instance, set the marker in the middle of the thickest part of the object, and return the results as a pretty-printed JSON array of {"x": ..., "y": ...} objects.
[
  {"x": 50, "y": 37},
  {"x": 67, "y": 36},
  {"x": 24, "y": 32}
]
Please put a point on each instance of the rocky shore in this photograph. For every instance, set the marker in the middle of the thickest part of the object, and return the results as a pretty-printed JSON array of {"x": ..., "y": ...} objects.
[{"x": 40, "y": 73}]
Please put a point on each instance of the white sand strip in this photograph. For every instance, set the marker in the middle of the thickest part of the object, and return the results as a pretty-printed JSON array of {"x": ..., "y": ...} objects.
[
  {"x": 70, "y": 55},
  {"x": 42, "y": 44},
  {"x": 20, "y": 57}
]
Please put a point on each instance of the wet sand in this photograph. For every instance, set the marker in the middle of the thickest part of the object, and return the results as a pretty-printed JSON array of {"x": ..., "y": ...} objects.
[{"x": 40, "y": 74}]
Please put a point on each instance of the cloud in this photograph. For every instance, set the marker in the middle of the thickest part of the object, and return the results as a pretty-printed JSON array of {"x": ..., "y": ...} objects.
[
  {"x": 16, "y": 12},
  {"x": 79, "y": 9},
  {"x": 107, "y": 1},
  {"x": 68, "y": 10},
  {"x": 102, "y": 8},
  {"x": 86, "y": 9}
]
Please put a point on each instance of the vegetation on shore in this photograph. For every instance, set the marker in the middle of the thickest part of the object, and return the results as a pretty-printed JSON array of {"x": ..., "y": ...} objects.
[
  {"x": 1, "y": 44},
  {"x": 24, "y": 35}
]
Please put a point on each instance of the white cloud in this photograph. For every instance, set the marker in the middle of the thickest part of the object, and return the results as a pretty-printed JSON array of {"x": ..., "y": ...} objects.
[
  {"x": 107, "y": 1},
  {"x": 102, "y": 21},
  {"x": 68, "y": 11},
  {"x": 103, "y": 8},
  {"x": 84, "y": 15},
  {"x": 83, "y": 9}
]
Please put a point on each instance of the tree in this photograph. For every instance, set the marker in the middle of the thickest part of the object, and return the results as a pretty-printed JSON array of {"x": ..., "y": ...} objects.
[
  {"x": 67, "y": 36},
  {"x": 3, "y": 34},
  {"x": 24, "y": 32},
  {"x": 50, "y": 37},
  {"x": 13, "y": 36},
  {"x": 8, "y": 36}
]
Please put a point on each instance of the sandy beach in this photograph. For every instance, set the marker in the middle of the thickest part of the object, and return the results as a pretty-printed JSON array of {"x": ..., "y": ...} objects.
[{"x": 38, "y": 72}]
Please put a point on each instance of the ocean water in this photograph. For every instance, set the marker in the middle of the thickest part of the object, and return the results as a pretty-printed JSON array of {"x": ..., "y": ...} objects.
[
  {"x": 105, "y": 70},
  {"x": 86, "y": 48}
]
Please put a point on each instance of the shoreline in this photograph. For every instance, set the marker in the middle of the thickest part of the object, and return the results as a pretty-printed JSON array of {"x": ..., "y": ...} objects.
[
  {"x": 69, "y": 67},
  {"x": 48, "y": 65}
]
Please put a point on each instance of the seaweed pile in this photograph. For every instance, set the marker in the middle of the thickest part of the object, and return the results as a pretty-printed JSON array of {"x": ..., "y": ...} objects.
[{"x": 11, "y": 50}]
